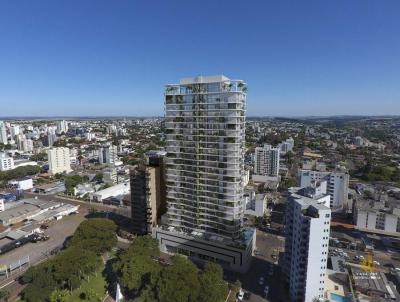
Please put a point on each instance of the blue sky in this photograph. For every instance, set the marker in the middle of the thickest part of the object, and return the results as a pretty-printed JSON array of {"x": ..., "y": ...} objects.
[{"x": 113, "y": 57}]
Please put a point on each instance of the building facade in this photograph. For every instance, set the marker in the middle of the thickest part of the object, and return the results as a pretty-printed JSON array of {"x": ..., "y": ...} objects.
[
  {"x": 338, "y": 185},
  {"x": 108, "y": 154},
  {"x": 62, "y": 127},
  {"x": 6, "y": 162},
  {"x": 205, "y": 137},
  {"x": 148, "y": 193},
  {"x": 307, "y": 229},
  {"x": 287, "y": 145},
  {"x": 3, "y": 133},
  {"x": 368, "y": 217},
  {"x": 59, "y": 160},
  {"x": 266, "y": 161}
]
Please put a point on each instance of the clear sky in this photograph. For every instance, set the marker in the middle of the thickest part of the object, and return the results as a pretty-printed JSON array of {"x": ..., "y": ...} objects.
[{"x": 80, "y": 57}]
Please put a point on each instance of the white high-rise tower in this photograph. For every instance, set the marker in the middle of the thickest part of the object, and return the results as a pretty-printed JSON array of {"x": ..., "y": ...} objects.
[
  {"x": 307, "y": 229},
  {"x": 3, "y": 133},
  {"x": 205, "y": 137}
]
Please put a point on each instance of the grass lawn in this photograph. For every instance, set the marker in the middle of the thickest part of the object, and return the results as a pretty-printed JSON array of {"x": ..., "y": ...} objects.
[{"x": 96, "y": 283}]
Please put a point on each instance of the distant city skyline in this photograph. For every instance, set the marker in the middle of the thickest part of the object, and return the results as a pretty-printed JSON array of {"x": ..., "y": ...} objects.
[{"x": 103, "y": 58}]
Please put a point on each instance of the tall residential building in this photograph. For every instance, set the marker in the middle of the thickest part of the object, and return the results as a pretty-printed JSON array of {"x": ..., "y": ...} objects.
[
  {"x": 62, "y": 126},
  {"x": 14, "y": 131},
  {"x": 287, "y": 145},
  {"x": 59, "y": 161},
  {"x": 110, "y": 176},
  {"x": 307, "y": 229},
  {"x": 205, "y": 137},
  {"x": 266, "y": 161},
  {"x": 3, "y": 133},
  {"x": 108, "y": 154},
  {"x": 51, "y": 139},
  {"x": 6, "y": 162},
  {"x": 359, "y": 141},
  {"x": 148, "y": 193},
  {"x": 338, "y": 185}
]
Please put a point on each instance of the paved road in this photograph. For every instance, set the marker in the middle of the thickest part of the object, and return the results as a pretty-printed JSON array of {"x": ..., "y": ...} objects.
[{"x": 267, "y": 244}]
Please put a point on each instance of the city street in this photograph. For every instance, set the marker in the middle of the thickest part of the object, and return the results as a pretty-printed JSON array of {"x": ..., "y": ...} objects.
[{"x": 262, "y": 265}]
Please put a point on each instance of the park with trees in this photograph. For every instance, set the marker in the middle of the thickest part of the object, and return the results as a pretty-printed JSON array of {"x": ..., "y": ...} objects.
[
  {"x": 87, "y": 267},
  {"x": 143, "y": 278}
]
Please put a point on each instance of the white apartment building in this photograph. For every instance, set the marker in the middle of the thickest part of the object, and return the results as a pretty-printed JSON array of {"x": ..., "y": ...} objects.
[
  {"x": 338, "y": 185},
  {"x": 205, "y": 137},
  {"x": 266, "y": 161},
  {"x": 287, "y": 145},
  {"x": 15, "y": 130},
  {"x": 62, "y": 126},
  {"x": 372, "y": 217},
  {"x": 358, "y": 141},
  {"x": 3, "y": 133},
  {"x": 6, "y": 162},
  {"x": 108, "y": 154},
  {"x": 59, "y": 160},
  {"x": 307, "y": 229},
  {"x": 24, "y": 144},
  {"x": 110, "y": 176},
  {"x": 90, "y": 136}
]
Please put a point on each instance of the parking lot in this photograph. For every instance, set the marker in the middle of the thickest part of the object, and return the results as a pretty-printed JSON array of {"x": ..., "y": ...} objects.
[{"x": 57, "y": 231}]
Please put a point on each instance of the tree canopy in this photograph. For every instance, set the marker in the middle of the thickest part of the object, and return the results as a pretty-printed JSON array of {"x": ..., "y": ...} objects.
[
  {"x": 19, "y": 172},
  {"x": 52, "y": 280},
  {"x": 143, "y": 278},
  {"x": 97, "y": 235}
]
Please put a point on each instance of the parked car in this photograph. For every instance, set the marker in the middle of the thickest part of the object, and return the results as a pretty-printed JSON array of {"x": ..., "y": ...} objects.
[
  {"x": 240, "y": 295},
  {"x": 261, "y": 281},
  {"x": 266, "y": 289}
]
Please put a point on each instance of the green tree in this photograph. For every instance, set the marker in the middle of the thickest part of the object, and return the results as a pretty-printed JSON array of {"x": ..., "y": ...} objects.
[
  {"x": 179, "y": 282},
  {"x": 39, "y": 157},
  {"x": 97, "y": 235},
  {"x": 89, "y": 295},
  {"x": 71, "y": 182},
  {"x": 41, "y": 285},
  {"x": 4, "y": 295},
  {"x": 98, "y": 177},
  {"x": 136, "y": 266},
  {"x": 59, "y": 295},
  {"x": 213, "y": 288}
]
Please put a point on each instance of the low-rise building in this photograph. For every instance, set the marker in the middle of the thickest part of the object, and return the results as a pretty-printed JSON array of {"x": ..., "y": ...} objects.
[
  {"x": 117, "y": 191},
  {"x": 372, "y": 286},
  {"x": 22, "y": 184},
  {"x": 256, "y": 204},
  {"x": 373, "y": 216},
  {"x": 27, "y": 209}
]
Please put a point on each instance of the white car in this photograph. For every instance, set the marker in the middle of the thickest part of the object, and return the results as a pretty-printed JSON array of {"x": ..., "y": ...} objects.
[
  {"x": 266, "y": 289},
  {"x": 261, "y": 281},
  {"x": 376, "y": 262},
  {"x": 240, "y": 295}
]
